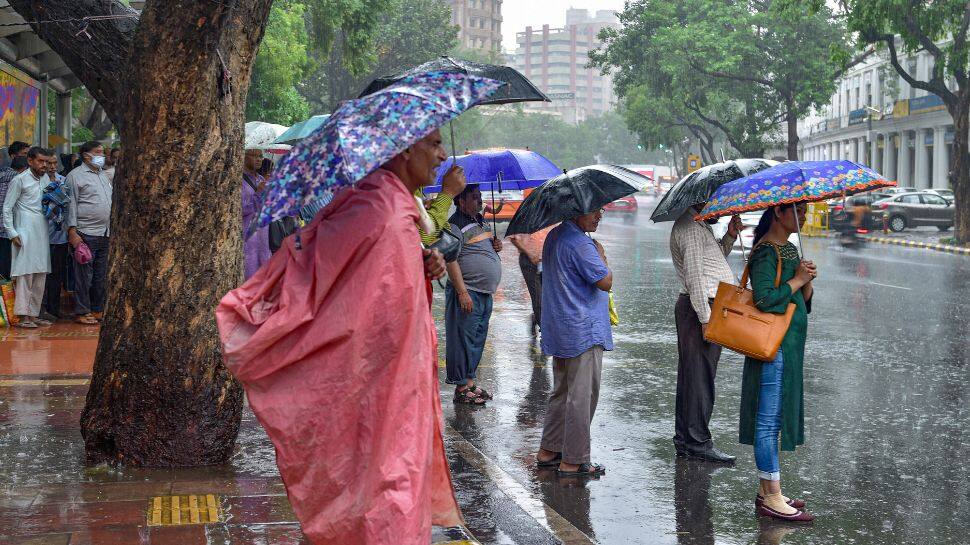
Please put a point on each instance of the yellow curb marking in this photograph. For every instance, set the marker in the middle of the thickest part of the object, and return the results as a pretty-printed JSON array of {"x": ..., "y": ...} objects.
[
  {"x": 45, "y": 382},
  {"x": 183, "y": 510},
  {"x": 55, "y": 335}
]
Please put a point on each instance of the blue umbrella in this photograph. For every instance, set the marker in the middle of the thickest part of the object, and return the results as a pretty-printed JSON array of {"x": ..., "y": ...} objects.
[
  {"x": 518, "y": 169},
  {"x": 365, "y": 133},
  {"x": 301, "y": 130}
]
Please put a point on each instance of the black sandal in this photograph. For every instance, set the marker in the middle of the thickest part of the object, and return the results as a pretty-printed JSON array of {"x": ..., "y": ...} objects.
[
  {"x": 585, "y": 469},
  {"x": 468, "y": 397},
  {"x": 549, "y": 463},
  {"x": 481, "y": 392}
]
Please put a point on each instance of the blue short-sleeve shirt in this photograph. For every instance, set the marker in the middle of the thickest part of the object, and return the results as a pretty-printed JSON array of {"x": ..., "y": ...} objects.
[{"x": 575, "y": 313}]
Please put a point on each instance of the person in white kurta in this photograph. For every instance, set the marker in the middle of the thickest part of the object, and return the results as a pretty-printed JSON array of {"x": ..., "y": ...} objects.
[{"x": 25, "y": 223}]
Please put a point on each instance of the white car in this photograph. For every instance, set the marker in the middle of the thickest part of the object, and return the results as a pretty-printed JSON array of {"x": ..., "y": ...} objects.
[
  {"x": 945, "y": 193},
  {"x": 750, "y": 221}
]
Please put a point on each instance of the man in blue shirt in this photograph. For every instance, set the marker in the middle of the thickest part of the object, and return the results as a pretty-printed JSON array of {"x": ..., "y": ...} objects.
[{"x": 576, "y": 280}]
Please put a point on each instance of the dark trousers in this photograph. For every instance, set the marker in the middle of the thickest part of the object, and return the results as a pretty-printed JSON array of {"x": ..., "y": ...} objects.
[
  {"x": 90, "y": 279},
  {"x": 533, "y": 281},
  {"x": 5, "y": 257},
  {"x": 696, "y": 369},
  {"x": 465, "y": 335},
  {"x": 56, "y": 280}
]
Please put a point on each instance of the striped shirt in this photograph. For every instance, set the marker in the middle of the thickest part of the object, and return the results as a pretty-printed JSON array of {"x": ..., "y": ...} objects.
[{"x": 700, "y": 261}]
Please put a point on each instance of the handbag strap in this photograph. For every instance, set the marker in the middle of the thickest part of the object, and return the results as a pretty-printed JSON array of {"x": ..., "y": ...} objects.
[{"x": 747, "y": 266}]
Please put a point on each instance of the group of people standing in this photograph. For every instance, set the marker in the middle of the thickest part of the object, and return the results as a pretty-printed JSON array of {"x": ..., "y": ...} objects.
[
  {"x": 49, "y": 218},
  {"x": 569, "y": 279},
  {"x": 356, "y": 302}
]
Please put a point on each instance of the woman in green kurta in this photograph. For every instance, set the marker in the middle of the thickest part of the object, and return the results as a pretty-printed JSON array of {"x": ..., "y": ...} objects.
[{"x": 771, "y": 392}]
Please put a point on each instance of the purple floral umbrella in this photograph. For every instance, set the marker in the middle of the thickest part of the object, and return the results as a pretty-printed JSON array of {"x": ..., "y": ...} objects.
[{"x": 365, "y": 133}]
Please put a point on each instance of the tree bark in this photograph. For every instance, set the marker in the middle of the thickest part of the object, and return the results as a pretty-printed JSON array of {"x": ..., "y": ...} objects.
[
  {"x": 160, "y": 395},
  {"x": 960, "y": 166},
  {"x": 791, "y": 120}
]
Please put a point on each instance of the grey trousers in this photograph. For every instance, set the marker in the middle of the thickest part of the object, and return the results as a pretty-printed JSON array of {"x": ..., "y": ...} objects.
[
  {"x": 575, "y": 392},
  {"x": 533, "y": 281}
]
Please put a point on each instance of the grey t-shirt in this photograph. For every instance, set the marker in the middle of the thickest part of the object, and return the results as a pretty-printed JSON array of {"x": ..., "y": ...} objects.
[{"x": 481, "y": 267}]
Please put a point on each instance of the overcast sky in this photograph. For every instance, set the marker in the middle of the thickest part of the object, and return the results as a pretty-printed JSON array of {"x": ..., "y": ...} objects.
[{"x": 519, "y": 14}]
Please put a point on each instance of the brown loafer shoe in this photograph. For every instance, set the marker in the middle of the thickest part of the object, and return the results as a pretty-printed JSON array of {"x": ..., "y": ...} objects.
[
  {"x": 797, "y": 504},
  {"x": 797, "y": 516}
]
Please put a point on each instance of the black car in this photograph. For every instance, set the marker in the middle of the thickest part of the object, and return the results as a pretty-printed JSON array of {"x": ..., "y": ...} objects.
[{"x": 841, "y": 212}]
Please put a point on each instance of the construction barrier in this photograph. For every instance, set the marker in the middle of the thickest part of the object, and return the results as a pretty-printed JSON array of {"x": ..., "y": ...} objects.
[{"x": 816, "y": 218}]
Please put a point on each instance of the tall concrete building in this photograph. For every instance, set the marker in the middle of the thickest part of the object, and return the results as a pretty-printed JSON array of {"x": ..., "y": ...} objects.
[
  {"x": 877, "y": 119},
  {"x": 480, "y": 22},
  {"x": 555, "y": 60}
]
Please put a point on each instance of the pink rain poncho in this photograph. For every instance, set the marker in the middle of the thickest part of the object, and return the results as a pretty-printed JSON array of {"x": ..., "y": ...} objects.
[{"x": 336, "y": 348}]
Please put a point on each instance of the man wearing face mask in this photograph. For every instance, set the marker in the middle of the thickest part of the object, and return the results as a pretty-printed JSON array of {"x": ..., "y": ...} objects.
[{"x": 88, "y": 222}]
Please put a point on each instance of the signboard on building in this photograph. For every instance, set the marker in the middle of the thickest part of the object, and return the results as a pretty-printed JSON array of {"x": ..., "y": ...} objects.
[
  {"x": 901, "y": 108},
  {"x": 561, "y": 96},
  {"x": 693, "y": 163},
  {"x": 922, "y": 105},
  {"x": 857, "y": 116},
  {"x": 19, "y": 100}
]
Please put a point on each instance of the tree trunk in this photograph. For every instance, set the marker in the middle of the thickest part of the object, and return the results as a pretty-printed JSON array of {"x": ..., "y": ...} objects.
[
  {"x": 960, "y": 167},
  {"x": 160, "y": 395},
  {"x": 792, "y": 121},
  {"x": 97, "y": 121}
]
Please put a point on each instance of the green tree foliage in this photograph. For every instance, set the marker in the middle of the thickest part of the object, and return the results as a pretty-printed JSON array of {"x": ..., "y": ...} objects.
[
  {"x": 407, "y": 33},
  {"x": 299, "y": 36},
  {"x": 603, "y": 139},
  {"x": 734, "y": 68},
  {"x": 280, "y": 65},
  {"x": 939, "y": 28}
]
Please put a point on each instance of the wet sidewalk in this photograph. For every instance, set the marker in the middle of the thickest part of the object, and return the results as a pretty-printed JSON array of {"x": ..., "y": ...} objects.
[{"x": 49, "y": 497}]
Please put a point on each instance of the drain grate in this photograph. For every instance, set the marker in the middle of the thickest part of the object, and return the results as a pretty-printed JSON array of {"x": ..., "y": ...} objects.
[{"x": 182, "y": 510}]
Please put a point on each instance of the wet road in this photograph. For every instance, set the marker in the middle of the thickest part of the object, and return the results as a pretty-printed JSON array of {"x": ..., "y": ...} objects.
[{"x": 887, "y": 412}]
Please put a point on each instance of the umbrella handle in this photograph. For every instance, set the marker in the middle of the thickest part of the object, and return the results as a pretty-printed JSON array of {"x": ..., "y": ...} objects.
[
  {"x": 798, "y": 226},
  {"x": 454, "y": 150}
]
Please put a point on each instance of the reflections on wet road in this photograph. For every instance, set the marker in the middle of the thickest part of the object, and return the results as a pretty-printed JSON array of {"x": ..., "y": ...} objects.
[{"x": 887, "y": 405}]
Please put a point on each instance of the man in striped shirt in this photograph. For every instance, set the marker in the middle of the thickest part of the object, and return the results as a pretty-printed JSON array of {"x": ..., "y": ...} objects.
[{"x": 701, "y": 263}]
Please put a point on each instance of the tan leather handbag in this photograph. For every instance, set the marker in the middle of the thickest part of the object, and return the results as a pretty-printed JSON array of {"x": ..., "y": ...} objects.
[{"x": 737, "y": 324}]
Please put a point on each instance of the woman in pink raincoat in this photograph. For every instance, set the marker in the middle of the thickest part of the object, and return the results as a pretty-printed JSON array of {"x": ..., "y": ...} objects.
[{"x": 336, "y": 347}]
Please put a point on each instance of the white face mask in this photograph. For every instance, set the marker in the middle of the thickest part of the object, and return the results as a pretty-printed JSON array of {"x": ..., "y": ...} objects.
[{"x": 97, "y": 160}]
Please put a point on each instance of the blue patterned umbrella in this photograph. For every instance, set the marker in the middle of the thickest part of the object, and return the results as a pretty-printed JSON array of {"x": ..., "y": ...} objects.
[
  {"x": 365, "y": 133},
  {"x": 790, "y": 183}
]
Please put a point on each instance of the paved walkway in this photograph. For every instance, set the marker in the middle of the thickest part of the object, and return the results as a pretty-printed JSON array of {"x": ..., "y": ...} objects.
[{"x": 49, "y": 497}]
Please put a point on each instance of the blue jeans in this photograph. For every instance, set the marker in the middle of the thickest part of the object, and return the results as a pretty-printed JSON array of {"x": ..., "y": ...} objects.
[
  {"x": 768, "y": 421},
  {"x": 465, "y": 335}
]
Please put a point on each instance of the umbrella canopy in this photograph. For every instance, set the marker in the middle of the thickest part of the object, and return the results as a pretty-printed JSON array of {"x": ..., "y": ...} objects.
[
  {"x": 572, "y": 194},
  {"x": 365, "y": 133},
  {"x": 260, "y": 134},
  {"x": 519, "y": 169},
  {"x": 790, "y": 183},
  {"x": 301, "y": 130},
  {"x": 518, "y": 88},
  {"x": 698, "y": 186}
]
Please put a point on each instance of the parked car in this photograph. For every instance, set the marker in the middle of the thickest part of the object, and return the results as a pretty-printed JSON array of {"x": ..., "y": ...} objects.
[
  {"x": 842, "y": 211},
  {"x": 750, "y": 221},
  {"x": 916, "y": 209},
  {"x": 945, "y": 193},
  {"x": 626, "y": 205},
  {"x": 899, "y": 190}
]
